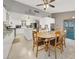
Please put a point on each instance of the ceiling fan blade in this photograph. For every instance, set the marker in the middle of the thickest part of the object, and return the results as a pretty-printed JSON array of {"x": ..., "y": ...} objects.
[
  {"x": 39, "y": 4},
  {"x": 51, "y": 5},
  {"x": 51, "y": 1}
]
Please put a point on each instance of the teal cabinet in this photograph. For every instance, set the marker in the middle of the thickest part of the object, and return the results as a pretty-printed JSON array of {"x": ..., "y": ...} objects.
[{"x": 69, "y": 25}]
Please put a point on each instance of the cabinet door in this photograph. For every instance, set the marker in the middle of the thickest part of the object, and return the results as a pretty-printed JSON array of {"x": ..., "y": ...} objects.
[
  {"x": 66, "y": 24},
  {"x": 70, "y": 33},
  {"x": 69, "y": 25}
]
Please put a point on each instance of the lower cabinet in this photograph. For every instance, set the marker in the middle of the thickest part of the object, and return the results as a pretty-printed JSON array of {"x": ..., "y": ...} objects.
[
  {"x": 7, "y": 44},
  {"x": 69, "y": 26}
]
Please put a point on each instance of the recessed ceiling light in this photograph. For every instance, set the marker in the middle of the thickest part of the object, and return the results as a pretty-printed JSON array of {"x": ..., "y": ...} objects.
[{"x": 73, "y": 17}]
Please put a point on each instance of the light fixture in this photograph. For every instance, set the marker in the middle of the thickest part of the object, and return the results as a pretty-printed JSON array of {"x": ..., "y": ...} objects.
[
  {"x": 46, "y": 6},
  {"x": 73, "y": 17}
]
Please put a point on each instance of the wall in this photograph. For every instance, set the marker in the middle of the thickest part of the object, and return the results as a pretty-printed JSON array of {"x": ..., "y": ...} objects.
[{"x": 60, "y": 17}]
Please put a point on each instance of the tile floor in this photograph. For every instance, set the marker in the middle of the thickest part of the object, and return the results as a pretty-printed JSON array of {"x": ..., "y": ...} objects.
[{"x": 22, "y": 49}]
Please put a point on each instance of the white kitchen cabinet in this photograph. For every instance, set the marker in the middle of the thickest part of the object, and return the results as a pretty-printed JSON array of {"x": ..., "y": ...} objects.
[
  {"x": 7, "y": 44},
  {"x": 26, "y": 32}
]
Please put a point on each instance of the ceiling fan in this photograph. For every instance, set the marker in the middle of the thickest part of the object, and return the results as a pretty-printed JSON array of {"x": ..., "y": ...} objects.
[{"x": 46, "y": 3}]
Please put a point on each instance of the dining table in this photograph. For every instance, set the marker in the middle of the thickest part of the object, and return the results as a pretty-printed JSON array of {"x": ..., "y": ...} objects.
[{"x": 47, "y": 36}]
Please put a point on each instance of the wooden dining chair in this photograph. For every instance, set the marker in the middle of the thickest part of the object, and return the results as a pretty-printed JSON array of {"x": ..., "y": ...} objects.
[
  {"x": 57, "y": 42},
  {"x": 64, "y": 39},
  {"x": 37, "y": 42}
]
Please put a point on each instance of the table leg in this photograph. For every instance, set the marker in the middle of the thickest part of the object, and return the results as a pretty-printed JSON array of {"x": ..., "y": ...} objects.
[
  {"x": 55, "y": 49},
  {"x": 46, "y": 45},
  {"x": 55, "y": 53},
  {"x": 49, "y": 48}
]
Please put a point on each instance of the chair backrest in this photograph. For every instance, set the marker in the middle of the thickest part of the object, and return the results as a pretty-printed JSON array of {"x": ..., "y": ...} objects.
[
  {"x": 64, "y": 35},
  {"x": 57, "y": 33},
  {"x": 61, "y": 37}
]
